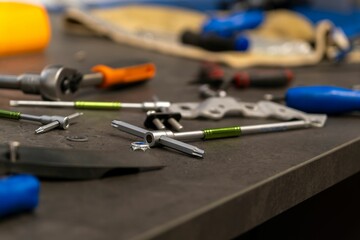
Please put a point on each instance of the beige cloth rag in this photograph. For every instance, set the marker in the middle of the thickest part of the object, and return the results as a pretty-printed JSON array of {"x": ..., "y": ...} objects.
[{"x": 159, "y": 28}]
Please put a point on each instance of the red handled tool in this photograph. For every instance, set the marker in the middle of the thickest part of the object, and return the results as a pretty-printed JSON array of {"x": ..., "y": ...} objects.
[{"x": 263, "y": 79}]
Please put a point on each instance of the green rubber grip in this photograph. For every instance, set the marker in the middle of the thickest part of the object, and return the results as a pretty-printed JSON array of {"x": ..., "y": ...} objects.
[
  {"x": 98, "y": 105},
  {"x": 10, "y": 114},
  {"x": 221, "y": 132}
]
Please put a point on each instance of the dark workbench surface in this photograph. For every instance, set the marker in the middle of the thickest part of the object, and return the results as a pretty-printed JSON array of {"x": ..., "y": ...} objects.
[{"x": 241, "y": 182}]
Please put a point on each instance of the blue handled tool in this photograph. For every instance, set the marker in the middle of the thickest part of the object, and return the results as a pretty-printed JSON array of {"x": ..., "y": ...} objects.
[
  {"x": 323, "y": 99},
  {"x": 228, "y": 26},
  {"x": 18, "y": 193}
]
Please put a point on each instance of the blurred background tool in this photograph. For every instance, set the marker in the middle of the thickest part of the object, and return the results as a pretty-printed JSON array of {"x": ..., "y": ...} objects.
[
  {"x": 18, "y": 193},
  {"x": 60, "y": 83},
  {"x": 174, "y": 139},
  {"x": 209, "y": 73},
  {"x": 322, "y": 99},
  {"x": 72, "y": 164},
  {"x": 24, "y": 27},
  {"x": 212, "y": 75},
  {"x": 263, "y": 79},
  {"x": 104, "y": 76},
  {"x": 92, "y": 105},
  {"x": 53, "y": 83},
  {"x": 246, "y": 43},
  {"x": 227, "y": 26},
  {"x": 49, "y": 122}
]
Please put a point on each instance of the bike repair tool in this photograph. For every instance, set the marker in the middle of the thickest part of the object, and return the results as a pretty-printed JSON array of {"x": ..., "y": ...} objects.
[
  {"x": 163, "y": 119},
  {"x": 92, "y": 105},
  {"x": 73, "y": 164},
  {"x": 322, "y": 99},
  {"x": 18, "y": 193},
  {"x": 263, "y": 79},
  {"x": 212, "y": 74},
  {"x": 162, "y": 138},
  {"x": 50, "y": 122},
  {"x": 60, "y": 83},
  {"x": 172, "y": 139},
  {"x": 217, "y": 108},
  {"x": 104, "y": 76}
]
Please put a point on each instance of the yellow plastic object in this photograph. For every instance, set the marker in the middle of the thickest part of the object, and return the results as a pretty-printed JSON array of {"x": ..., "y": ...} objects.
[{"x": 24, "y": 27}]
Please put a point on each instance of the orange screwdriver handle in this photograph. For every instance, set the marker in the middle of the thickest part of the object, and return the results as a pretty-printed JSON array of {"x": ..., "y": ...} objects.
[{"x": 124, "y": 75}]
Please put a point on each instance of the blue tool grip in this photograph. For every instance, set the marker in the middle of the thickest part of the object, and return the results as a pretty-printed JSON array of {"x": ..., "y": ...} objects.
[
  {"x": 18, "y": 193},
  {"x": 230, "y": 25},
  {"x": 323, "y": 99}
]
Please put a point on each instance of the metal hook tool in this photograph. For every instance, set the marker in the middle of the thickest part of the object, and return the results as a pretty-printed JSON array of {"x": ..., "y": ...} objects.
[
  {"x": 172, "y": 139},
  {"x": 50, "y": 122}
]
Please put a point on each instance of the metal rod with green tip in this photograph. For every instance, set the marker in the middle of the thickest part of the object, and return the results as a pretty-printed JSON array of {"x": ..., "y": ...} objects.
[
  {"x": 161, "y": 137},
  {"x": 49, "y": 122},
  {"x": 92, "y": 105}
]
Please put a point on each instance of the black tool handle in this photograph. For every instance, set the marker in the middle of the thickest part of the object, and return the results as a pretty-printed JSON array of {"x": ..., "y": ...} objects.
[
  {"x": 266, "y": 79},
  {"x": 209, "y": 42}
]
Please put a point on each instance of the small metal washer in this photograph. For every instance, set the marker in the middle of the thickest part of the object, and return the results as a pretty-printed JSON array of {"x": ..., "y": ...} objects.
[
  {"x": 139, "y": 146},
  {"x": 77, "y": 138}
]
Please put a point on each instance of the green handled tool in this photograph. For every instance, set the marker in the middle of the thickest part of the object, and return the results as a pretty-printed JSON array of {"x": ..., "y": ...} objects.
[
  {"x": 93, "y": 105},
  {"x": 50, "y": 122},
  {"x": 173, "y": 139}
]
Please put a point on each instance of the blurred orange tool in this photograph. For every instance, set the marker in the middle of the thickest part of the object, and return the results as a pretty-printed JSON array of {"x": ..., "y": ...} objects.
[
  {"x": 24, "y": 27},
  {"x": 105, "y": 76},
  {"x": 60, "y": 83}
]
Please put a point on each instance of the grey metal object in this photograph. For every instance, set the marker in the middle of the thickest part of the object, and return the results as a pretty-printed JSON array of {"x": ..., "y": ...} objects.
[
  {"x": 175, "y": 124},
  {"x": 171, "y": 139},
  {"x": 53, "y": 83},
  {"x": 50, "y": 122},
  {"x": 70, "y": 104},
  {"x": 216, "y": 108},
  {"x": 155, "y": 138},
  {"x": 156, "y": 121}
]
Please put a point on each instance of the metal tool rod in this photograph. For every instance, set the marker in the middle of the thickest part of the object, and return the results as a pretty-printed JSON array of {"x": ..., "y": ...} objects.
[
  {"x": 164, "y": 138},
  {"x": 275, "y": 127},
  {"x": 236, "y": 131},
  {"x": 91, "y": 80},
  {"x": 90, "y": 104},
  {"x": 172, "y": 121},
  {"x": 158, "y": 124},
  {"x": 175, "y": 124},
  {"x": 181, "y": 146},
  {"x": 189, "y": 135},
  {"x": 172, "y": 140},
  {"x": 47, "y": 127},
  {"x": 129, "y": 128},
  {"x": 16, "y": 103},
  {"x": 9, "y": 81},
  {"x": 30, "y": 117}
]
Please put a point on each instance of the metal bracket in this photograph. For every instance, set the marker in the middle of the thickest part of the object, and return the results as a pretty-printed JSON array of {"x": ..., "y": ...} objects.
[{"x": 216, "y": 108}]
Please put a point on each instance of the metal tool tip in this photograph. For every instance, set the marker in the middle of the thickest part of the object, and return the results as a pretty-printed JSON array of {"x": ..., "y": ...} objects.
[
  {"x": 13, "y": 103},
  {"x": 197, "y": 152},
  {"x": 40, "y": 130}
]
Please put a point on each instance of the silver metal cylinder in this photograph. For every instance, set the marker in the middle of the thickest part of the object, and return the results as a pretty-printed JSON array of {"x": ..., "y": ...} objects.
[
  {"x": 274, "y": 127},
  {"x": 42, "y": 103},
  {"x": 91, "y": 79},
  {"x": 152, "y": 138},
  {"x": 158, "y": 124},
  {"x": 189, "y": 135},
  {"x": 155, "y": 105},
  {"x": 175, "y": 124}
]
